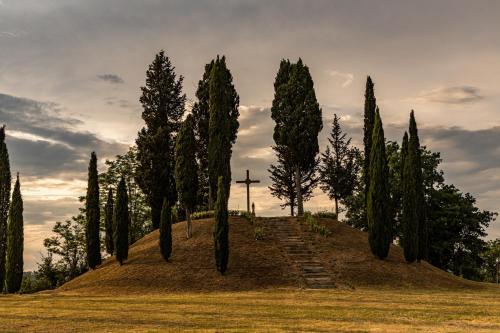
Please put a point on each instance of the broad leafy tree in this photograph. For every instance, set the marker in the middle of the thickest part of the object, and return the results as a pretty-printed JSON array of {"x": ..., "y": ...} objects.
[
  {"x": 186, "y": 170},
  {"x": 15, "y": 242},
  {"x": 163, "y": 108},
  {"x": 5, "y": 187},
  {"x": 93, "y": 214},
  {"x": 223, "y": 105},
  {"x": 297, "y": 117},
  {"x": 127, "y": 166}
]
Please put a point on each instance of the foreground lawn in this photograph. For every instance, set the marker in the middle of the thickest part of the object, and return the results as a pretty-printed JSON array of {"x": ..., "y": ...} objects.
[{"x": 272, "y": 311}]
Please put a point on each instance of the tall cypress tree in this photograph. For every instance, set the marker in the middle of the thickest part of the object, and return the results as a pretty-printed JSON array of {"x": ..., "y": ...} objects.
[
  {"x": 369, "y": 120},
  {"x": 163, "y": 104},
  {"x": 5, "y": 186},
  {"x": 414, "y": 237},
  {"x": 378, "y": 203},
  {"x": 223, "y": 125},
  {"x": 15, "y": 242},
  {"x": 93, "y": 215},
  {"x": 186, "y": 170},
  {"x": 121, "y": 223},
  {"x": 423, "y": 233},
  {"x": 201, "y": 128},
  {"x": 166, "y": 230},
  {"x": 108, "y": 222},
  {"x": 221, "y": 229},
  {"x": 297, "y": 115}
]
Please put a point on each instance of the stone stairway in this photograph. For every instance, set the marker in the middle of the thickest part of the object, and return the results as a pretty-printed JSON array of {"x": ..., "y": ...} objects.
[{"x": 300, "y": 253}]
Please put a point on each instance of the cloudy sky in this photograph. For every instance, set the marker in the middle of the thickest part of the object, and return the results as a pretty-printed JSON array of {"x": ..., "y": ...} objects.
[{"x": 71, "y": 71}]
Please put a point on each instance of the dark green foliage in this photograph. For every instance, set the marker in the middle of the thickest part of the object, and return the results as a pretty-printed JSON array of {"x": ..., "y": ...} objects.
[
  {"x": 223, "y": 124},
  {"x": 166, "y": 231},
  {"x": 393, "y": 153},
  {"x": 163, "y": 104},
  {"x": 283, "y": 180},
  {"x": 5, "y": 186},
  {"x": 15, "y": 242},
  {"x": 338, "y": 170},
  {"x": 201, "y": 127},
  {"x": 456, "y": 231},
  {"x": 491, "y": 258},
  {"x": 121, "y": 223},
  {"x": 297, "y": 115},
  {"x": 93, "y": 215},
  {"x": 369, "y": 121},
  {"x": 127, "y": 166},
  {"x": 413, "y": 205},
  {"x": 221, "y": 229},
  {"x": 68, "y": 245},
  {"x": 108, "y": 223},
  {"x": 186, "y": 169},
  {"x": 378, "y": 202}
]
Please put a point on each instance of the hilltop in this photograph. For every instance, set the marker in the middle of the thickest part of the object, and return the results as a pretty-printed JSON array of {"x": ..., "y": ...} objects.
[{"x": 342, "y": 259}]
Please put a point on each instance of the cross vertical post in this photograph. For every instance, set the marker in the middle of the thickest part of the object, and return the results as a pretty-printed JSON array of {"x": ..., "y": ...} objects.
[{"x": 248, "y": 181}]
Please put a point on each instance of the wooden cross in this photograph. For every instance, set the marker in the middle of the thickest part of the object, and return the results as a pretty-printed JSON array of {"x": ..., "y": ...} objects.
[{"x": 248, "y": 181}]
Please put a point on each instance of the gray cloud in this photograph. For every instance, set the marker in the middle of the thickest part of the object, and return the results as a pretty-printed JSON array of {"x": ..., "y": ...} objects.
[
  {"x": 111, "y": 78},
  {"x": 453, "y": 95},
  {"x": 42, "y": 143}
]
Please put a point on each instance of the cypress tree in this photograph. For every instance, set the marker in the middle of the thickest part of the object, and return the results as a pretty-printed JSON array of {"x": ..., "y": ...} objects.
[
  {"x": 166, "y": 231},
  {"x": 108, "y": 223},
  {"x": 423, "y": 233},
  {"x": 201, "y": 128},
  {"x": 15, "y": 242},
  {"x": 5, "y": 187},
  {"x": 121, "y": 222},
  {"x": 378, "y": 203},
  {"x": 297, "y": 115},
  {"x": 223, "y": 125},
  {"x": 163, "y": 104},
  {"x": 93, "y": 215},
  {"x": 221, "y": 229},
  {"x": 186, "y": 170},
  {"x": 414, "y": 237},
  {"x": 369, "y": 120}
]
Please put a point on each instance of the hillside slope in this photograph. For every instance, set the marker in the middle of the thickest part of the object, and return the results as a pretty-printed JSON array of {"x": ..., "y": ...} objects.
[{"x": 254, "y": 264}]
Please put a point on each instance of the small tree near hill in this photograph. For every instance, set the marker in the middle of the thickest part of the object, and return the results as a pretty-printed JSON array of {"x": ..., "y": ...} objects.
[
  {"x": 121, "y": 223},
  {"x": 221, "y": 229}
]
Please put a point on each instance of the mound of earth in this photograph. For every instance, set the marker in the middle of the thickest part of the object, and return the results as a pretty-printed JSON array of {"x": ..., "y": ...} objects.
[{"x": 343, "y": 258}]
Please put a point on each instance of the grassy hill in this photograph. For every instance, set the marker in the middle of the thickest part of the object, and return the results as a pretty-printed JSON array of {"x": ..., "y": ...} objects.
[{"x": 257, "y": 264}]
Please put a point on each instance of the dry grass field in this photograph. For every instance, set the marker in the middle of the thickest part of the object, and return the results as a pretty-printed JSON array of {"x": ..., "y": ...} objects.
[
  {"x": 262, "y": 290},
  {"x": 361, "y": 310}
]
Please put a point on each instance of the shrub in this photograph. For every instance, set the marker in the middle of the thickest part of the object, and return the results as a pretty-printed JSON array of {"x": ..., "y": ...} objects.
[
  {"x": 324, "y": 214},
  {"x": 314, "y": 226},
  {"x": 259, "y": 233}
]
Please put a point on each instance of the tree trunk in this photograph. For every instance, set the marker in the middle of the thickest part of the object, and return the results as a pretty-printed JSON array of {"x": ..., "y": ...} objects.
[
  {"x": 189, "y": 231},
  {"x": 337, "y": 208},
  {"x": 291, "y": 209},
  {"x": 298, "y": 189}
]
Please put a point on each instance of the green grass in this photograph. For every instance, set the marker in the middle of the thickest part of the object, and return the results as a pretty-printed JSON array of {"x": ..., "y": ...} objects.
[{"x": 272, "y": 311}]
